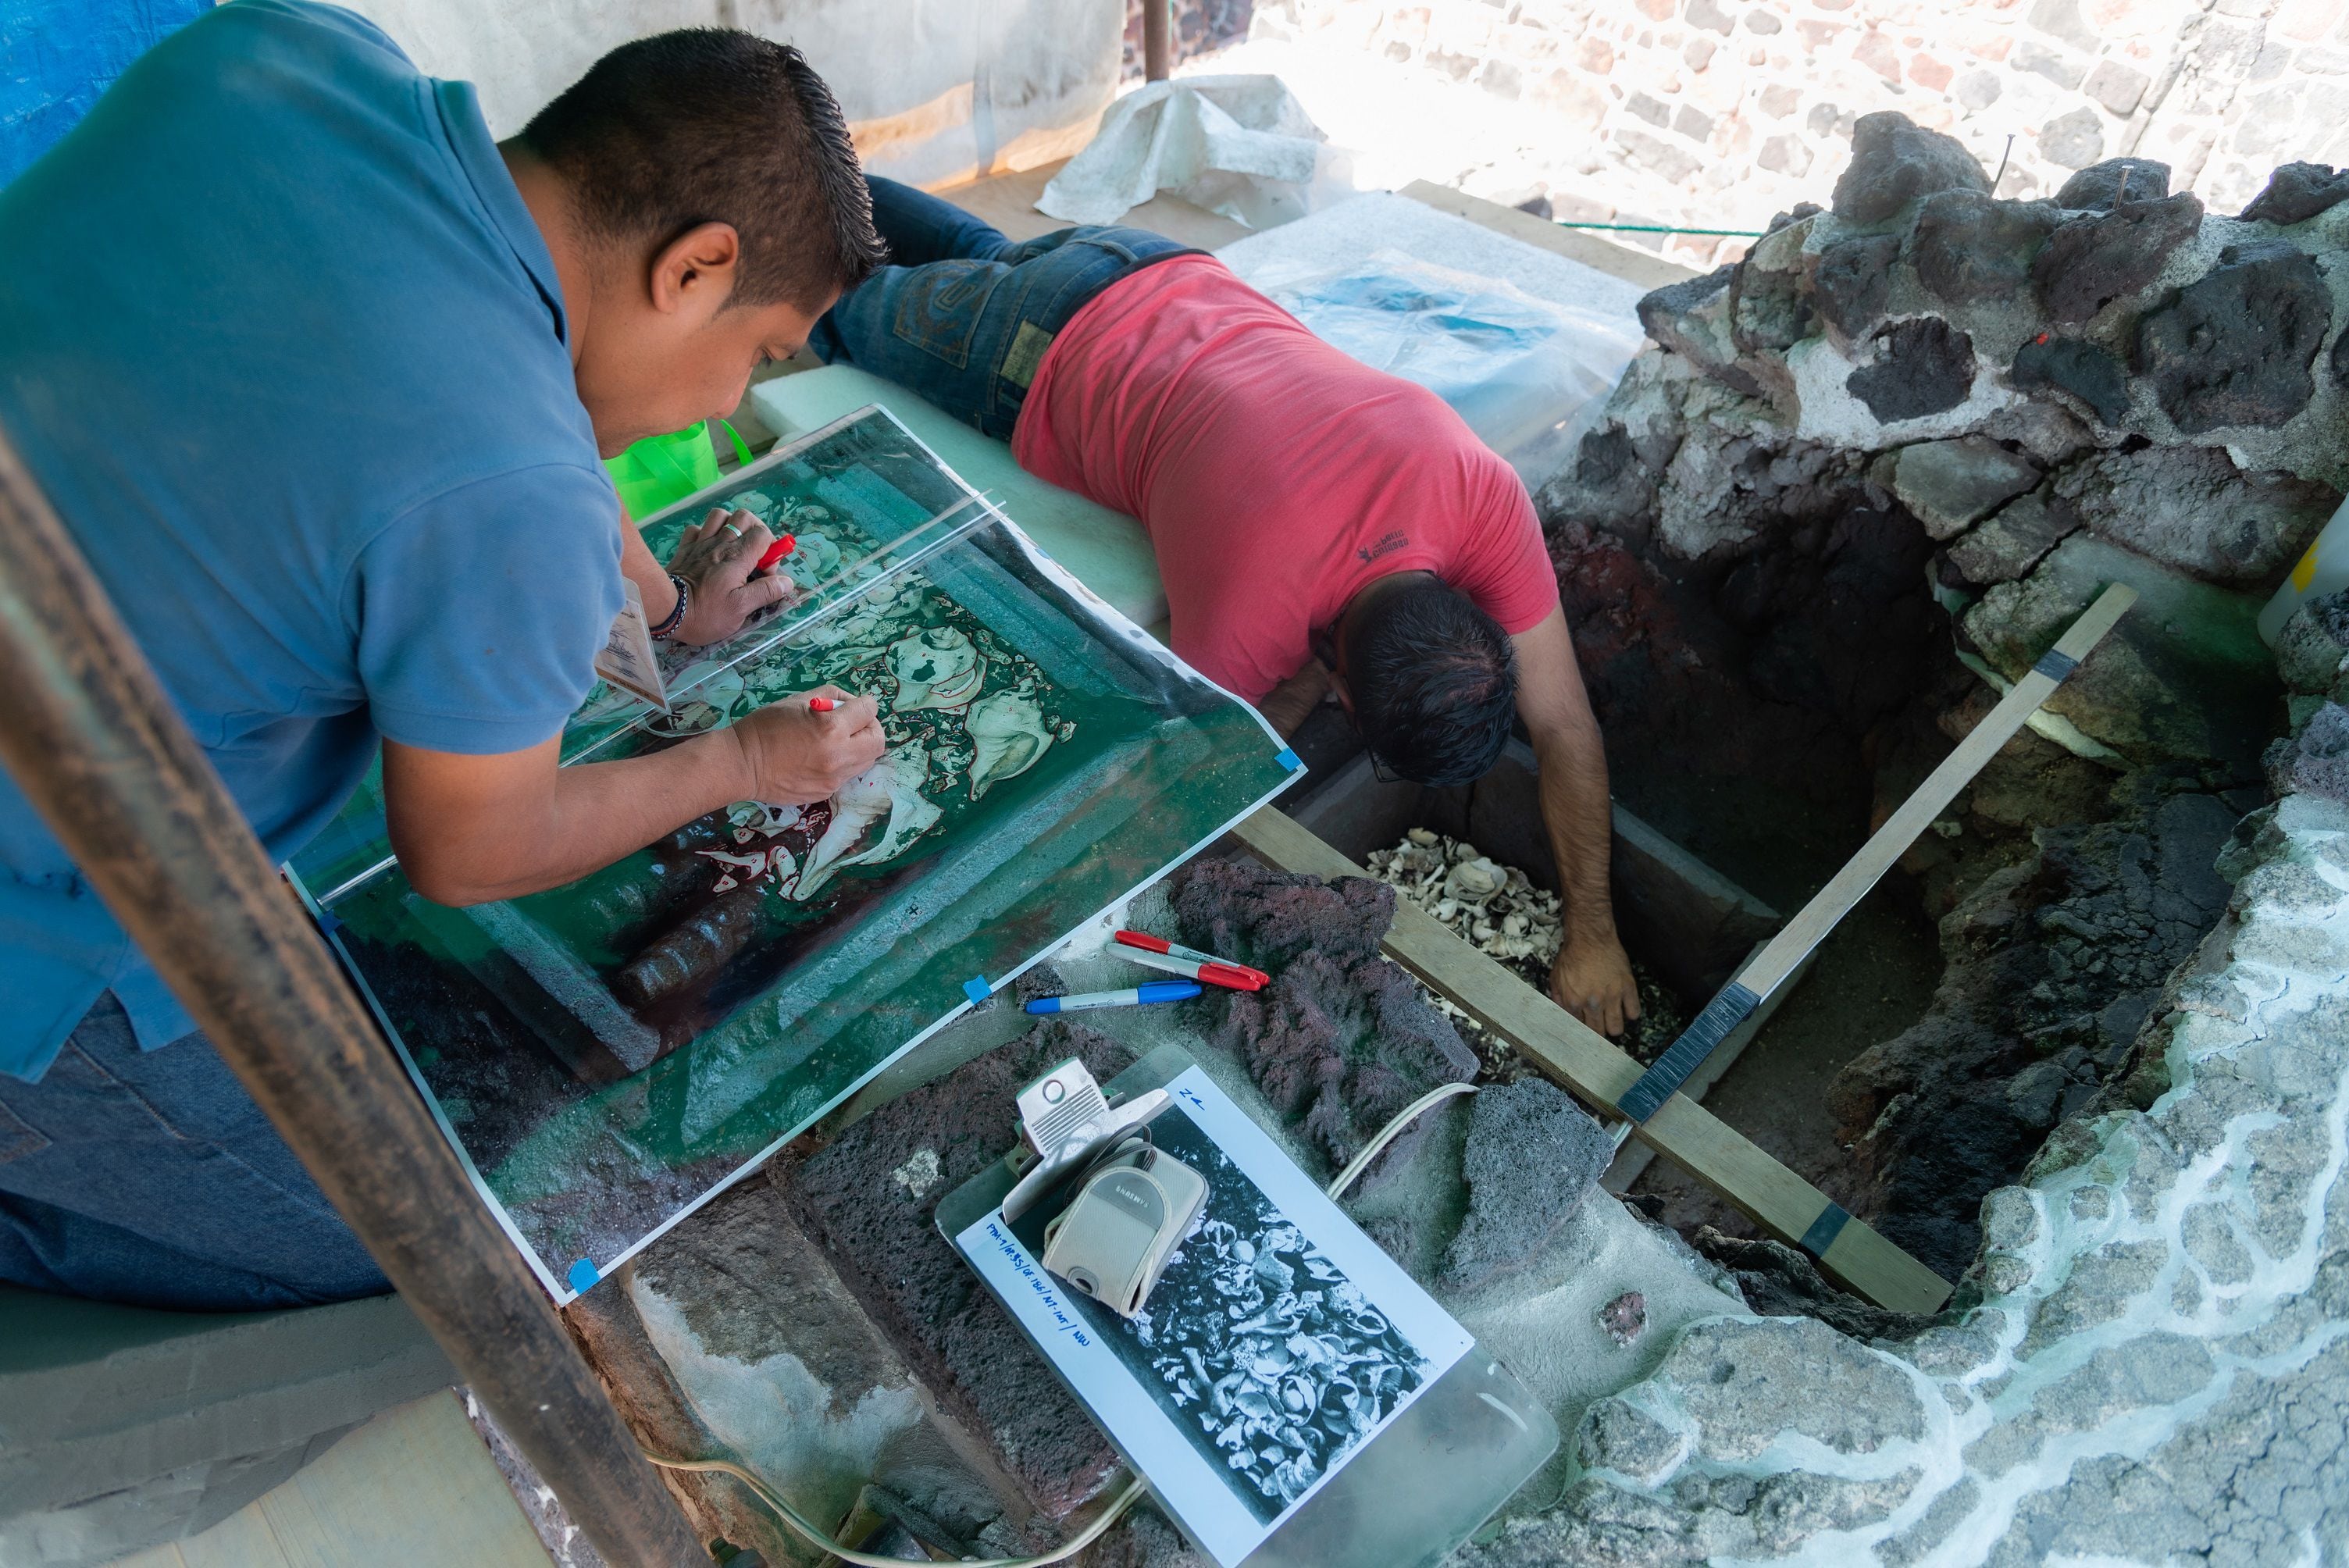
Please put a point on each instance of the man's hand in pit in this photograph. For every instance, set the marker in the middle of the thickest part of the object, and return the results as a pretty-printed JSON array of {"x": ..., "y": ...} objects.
[
  {"x": 717, "y": 556},
  {"x": 1592, "y": 980},
  {"x": 797, "y": 758}
]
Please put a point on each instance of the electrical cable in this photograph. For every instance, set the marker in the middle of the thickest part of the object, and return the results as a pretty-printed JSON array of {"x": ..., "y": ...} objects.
[
  {"x": 792, "y": 1517},
  {"x": 1377, "y": 1146},
  {"x": 1126, "y": 1500}
]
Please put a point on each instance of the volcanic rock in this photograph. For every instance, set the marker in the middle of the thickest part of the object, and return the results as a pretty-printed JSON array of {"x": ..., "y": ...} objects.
[
  {"x": 1951, "y": 485},
  {"x": 879, "y": 1232},
  {"x": 2236, "y": 346},
  {"x": 1971, "y": 247},
  {"x": 1854, "y": 280},
  {"x": 2317, "y": 759},
  {"x": 1894, "y": 161},
  {"x": 2090, "y": 261},
  {"x": 2071, "y": 365},
  {"x": 2012, "y": 542},
  {"x": 1922, "y": 366},
  {"x": 2101, "y": 187},
  {"x": 2313, "y": 650},
  {"x": 2190, "y": 508},
  {"x": 2297, "y": 193},
  {"x": 1342, "y": 1039},
  {"x": 1533, "y": 1156}
]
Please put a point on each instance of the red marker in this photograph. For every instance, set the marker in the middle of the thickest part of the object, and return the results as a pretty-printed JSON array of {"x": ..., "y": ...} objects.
[
  {"x": 784, "y": 544},
  {"x": 1160, "y": 954},
  {"x": 821, "y": 704}
]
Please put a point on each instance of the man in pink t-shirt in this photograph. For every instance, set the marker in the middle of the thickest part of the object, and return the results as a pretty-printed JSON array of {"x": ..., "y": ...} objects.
[{"x": 1322, "y": 529}]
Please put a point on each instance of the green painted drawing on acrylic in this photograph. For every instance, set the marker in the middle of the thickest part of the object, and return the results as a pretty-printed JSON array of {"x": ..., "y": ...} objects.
[{"x": 605, "y": 1054}]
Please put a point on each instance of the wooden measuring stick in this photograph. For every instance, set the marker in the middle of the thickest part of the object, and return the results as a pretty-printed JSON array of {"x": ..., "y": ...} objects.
[
  {"x": 1557, "y": 1044},
  {"x": 1769, "y": 968}
]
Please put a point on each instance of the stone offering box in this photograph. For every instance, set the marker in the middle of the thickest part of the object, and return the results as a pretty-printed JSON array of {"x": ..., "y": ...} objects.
[
  {"x": 1689, "y": 924},
  {"x": 607, "y": 1056}
]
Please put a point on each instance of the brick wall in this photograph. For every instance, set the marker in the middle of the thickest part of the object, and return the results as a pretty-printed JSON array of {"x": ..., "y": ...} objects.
[{"x": 1717, "y": 113}]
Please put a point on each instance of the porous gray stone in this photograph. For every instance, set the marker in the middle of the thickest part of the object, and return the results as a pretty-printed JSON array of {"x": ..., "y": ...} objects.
[
  {"x": 2313, "y": 649},
  {"x": 2100, "y": 187},
  {"x": 2014, "y": 541},
  {"x": 1744, "y": 1382},
  {"x": 1532, "y": 1157},
  {"x": 2190, "y": 508},
  {"x": 1620, "y": 1437},
  {"x": 1922, "y": 366},
  {"x": 2317, "y": 759},
  {"x": 1952, "y": 485},
  {"x": 1894, "y": 161},
  {"x": 2073, "y": 365},
  {"x": 2091, "y": 260},
  {"x": 2299, "y": 192},
  {"x": 2236, "y": 346},
  {"x": 1853, "y": 281},
  {"x": 2076, "y": 139},
  {"x": 1969, "y": 247}
]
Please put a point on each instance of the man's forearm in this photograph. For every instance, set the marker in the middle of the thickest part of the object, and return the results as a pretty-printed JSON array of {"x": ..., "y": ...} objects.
[
  {"x": 1580, "y": 821},
  {"x": 590, "y": 816}
]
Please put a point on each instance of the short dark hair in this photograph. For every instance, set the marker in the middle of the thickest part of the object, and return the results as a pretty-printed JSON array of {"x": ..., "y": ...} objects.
[
  {"x": 1434, "y": 683},
  {"x": 715, "y": 125}
]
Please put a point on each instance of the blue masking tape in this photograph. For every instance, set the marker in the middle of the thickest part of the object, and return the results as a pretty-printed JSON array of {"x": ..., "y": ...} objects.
[
  {"x": 584, "y": 1276},
  {"x": 1728, "y": 1009},
  {"x": 1824, "y": 1230},
  {"x": 2055, "y": 664},
  {"x": 1290, "y": 759},
  {"x": 976, "y": 989}
]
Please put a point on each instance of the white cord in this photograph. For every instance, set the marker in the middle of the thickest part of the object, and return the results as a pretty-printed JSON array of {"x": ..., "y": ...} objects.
[
  {"x": 1109, "y": 1515},
  {"x": 790, "y": 1516},
  {"x": 1377, "y": 1146}
]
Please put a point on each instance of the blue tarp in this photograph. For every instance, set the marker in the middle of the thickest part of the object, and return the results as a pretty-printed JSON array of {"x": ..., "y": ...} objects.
[{"x": 57, "y": 55}]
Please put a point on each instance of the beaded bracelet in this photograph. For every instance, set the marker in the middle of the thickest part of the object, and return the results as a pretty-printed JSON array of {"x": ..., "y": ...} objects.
[{"x": 677, "y": 616}]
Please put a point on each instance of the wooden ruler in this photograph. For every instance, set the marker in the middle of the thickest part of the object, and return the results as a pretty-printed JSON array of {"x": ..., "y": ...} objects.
[
  {"x": 1557, "y": 1044},
  {"x": 1785, "y": 952}
]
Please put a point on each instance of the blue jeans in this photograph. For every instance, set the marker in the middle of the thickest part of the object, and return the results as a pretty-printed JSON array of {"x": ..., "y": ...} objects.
[
  {"x": 965, "y": 316},
  {"x": 152, "y": 1178}
]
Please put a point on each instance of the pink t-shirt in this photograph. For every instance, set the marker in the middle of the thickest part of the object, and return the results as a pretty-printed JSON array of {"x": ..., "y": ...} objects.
[{"x": 1276, "y": 476}]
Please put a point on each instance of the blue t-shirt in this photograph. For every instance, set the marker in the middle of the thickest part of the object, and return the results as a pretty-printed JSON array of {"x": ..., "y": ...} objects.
[{"x": 284, "y": 345}]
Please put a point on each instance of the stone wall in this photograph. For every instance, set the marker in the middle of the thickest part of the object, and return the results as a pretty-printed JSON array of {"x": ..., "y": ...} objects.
[
  {"x": 1717, "y": 113},
  {"x": 2136, "y": 1076},
  {"x": 1201, "y": 27}
]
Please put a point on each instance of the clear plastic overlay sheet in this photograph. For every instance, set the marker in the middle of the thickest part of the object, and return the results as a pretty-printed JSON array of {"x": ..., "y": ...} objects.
[{"x": 607, "y": 1056}]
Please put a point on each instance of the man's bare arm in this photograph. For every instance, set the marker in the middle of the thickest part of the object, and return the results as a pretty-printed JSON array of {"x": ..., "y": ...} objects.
[
  {"x": 1289, "y": 704},
  {"x": 468, "y": 830},
  {"x": 1592, "y": 979}
]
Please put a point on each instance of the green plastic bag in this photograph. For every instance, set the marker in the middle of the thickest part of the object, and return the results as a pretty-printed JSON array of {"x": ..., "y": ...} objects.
[{"x": 661, "y": 471}]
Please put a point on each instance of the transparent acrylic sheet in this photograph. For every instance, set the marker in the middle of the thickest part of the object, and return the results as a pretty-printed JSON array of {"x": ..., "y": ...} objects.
[
  {"x": 609, "y": 1056},
  {"x": 862, "y": 496},
  {"x": 1343, "y": 1419}
]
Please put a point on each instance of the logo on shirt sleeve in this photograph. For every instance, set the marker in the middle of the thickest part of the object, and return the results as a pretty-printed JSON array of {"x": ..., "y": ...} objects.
[{"x": 1387, "y": 543}]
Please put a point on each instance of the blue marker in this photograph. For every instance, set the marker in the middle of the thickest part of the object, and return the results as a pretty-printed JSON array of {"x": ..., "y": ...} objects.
[{"x": 1135, "y": 997}]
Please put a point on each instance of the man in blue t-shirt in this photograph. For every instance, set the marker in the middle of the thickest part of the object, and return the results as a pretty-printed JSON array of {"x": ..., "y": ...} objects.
[{"x": 319, "y": 375}]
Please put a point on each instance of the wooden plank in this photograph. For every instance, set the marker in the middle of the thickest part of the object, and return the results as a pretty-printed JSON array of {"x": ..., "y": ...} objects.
[
  {"x": 1598, "y": 1071},
  {"x": 1792, "y": 947},
  {"x": 1609, "y": 256}
]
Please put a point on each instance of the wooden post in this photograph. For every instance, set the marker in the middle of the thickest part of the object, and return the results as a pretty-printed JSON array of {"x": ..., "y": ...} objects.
[
  {"x": 1157, "y": 39},
  {"x": 1588, "y": 1063},
  {"x": 91, "y": 737}
]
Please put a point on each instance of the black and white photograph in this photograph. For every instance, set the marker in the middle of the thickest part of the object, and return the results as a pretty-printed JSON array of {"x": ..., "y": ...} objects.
[
  {"x": 1271, "y": 1361},
  {"x": 1266, "y": 1355}
]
